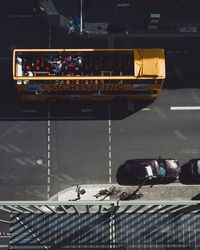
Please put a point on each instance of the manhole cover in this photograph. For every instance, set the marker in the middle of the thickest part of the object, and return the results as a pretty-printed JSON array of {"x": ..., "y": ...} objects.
[{"x": 39, "y": 161}]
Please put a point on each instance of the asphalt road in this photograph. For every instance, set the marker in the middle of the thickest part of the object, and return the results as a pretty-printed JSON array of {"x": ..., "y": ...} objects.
[
  {"x": 44, "y": 149},
  {"x": 79, "y": 145}
]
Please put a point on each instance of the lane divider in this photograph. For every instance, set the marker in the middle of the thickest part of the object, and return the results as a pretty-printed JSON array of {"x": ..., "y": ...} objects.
[{"x": 48, "y": 153}]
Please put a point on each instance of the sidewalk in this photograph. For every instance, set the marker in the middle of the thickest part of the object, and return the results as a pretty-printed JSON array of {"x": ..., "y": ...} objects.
[
  {"x": 52, "y": 13},
  {"x": 174, "y": 191},
  {"x": 107, "y": 24}
]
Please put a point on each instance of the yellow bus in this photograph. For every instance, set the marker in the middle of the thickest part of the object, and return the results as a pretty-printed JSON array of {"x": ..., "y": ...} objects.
[{"x": 88, "y": 74}]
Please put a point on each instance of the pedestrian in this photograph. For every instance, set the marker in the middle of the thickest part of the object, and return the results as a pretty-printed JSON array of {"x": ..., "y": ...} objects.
[
  {"x": 70, "y": 25},
  {"x": 77, "y": 24},
  {"x": 77, "y": 62},
  {"x": 57, "y": 67}
]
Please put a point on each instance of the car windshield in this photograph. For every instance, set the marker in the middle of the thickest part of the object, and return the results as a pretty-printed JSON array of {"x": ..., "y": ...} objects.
[{"x": 161, "y": 170}]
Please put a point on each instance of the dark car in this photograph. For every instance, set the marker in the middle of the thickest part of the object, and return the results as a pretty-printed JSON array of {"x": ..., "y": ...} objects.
[
  {"x": 159, "y": 169},
  {"x": 194, "y": 169}
]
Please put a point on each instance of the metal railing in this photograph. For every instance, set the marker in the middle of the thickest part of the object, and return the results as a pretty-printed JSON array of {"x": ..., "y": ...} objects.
[{"x": 102, "y": 206}]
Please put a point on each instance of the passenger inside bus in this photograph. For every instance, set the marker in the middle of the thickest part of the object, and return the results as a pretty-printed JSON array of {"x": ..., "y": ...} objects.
[
  {"x": 52, "y": 65},
  {"x": 61, "y": 65}
]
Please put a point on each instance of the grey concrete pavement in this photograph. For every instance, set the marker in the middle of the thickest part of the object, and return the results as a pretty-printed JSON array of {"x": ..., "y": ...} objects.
[
  {"x": 158, "y": 131},
  {"x": 165, "y": 133},
  {"x": 170, "y": 192},
  {"x": 79, "y": 149},
  {"x": 128, "y": 17}
]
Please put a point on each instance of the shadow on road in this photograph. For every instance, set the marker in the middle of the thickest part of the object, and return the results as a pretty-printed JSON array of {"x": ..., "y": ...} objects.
[{"x": 117, "y": 110}]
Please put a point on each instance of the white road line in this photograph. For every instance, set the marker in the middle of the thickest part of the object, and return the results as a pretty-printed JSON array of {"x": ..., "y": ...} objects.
[
  {"x": 110, "y": 180},
  {"x": 109, "y": 147},
  {"x": 185, "y": 108},
  {"x": 109, "y": 138},
  {"x": 110, "y": 163},
  {"x": 109, "y": 171},
  {"x": 110, "y": 155},
  {"x": 146, "y": 109}
]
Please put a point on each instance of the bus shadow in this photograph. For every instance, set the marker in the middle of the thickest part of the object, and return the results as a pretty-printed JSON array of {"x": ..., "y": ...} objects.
[{"x": 96, "y": 110}]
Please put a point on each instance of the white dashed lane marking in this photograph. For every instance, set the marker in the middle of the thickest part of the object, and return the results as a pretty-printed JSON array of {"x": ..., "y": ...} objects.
[{"x": 48, "y": 153}]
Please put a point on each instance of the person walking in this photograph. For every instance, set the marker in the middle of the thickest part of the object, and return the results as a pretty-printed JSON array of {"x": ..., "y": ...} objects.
[{"x": 70, "y": 25}]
